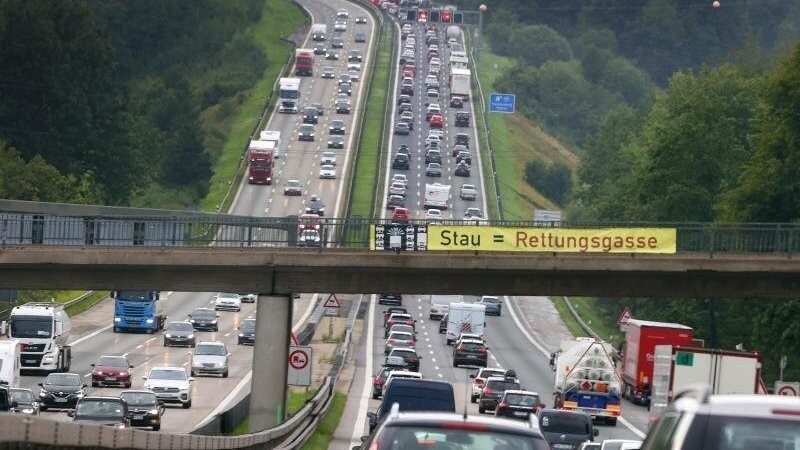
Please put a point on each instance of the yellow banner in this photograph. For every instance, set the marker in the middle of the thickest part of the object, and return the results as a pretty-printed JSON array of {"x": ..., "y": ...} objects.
[{"x": 557, "y": 240}]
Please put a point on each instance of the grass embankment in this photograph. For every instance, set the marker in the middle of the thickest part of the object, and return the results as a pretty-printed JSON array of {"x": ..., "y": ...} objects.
[
  {"x": 516, "y": 141},
  {"x": 61, "y": 297},
  {"x": 295, "y": 400},
  {"x": 367, "y": 168},
  {"x": 230, "y": 131},
  {"x": 327, "y": 426},
  {"x": 592, "y": 314}
]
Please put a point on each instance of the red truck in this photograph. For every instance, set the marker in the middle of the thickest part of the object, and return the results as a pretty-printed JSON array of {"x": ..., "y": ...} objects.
[
  {"x": 641, "y": 339},
  {"x": 304, "y": 62},
  {"x": 260, "y": 155}
]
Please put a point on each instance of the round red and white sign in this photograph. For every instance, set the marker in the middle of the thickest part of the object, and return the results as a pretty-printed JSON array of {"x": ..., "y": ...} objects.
[
  {"x": 788, "y": 390},
  {"x": 298, "y": 359}
]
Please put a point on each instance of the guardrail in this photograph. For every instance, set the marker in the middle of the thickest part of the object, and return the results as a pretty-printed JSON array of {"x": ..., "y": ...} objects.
[{"x": 4, "y": 313}]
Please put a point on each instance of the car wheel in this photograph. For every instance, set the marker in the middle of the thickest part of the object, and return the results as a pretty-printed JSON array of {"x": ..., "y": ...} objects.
[
  {"x": 481, "y": 409},
  {"x": 94, "y": 384},
  {"x": 166, "y": 343},
  {"x": 225, "y": 374},
  {"x": 127, "y": 385},
  {"x": 116, "y": 330},
  {"x": 42, "y": 408},
  {"x": 473, "y": 398},
  {"x": 187, "y": 405},
  {"x": 375, "y": 395},
  {"x": 156, "y": 427},
  {"x": 455, "y": 364},
  {"x": 216, "y": 328}
]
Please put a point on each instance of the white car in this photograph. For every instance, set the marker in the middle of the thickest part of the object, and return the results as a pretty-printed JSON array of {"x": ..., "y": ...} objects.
[
  {"x": 327, "y": 172},
  {"x": 433, "y": 214},
  {"x": 228, "y": 301},
  {"x": 210, "y": 358},
  {"x": 354, "y": 66},
  {"x": 397, "y": 188},
  {"x": 170, "y": 384},
  {"x": 248, "y": 298},
  {"x": 340, "y": 25},
  {"x": 400, "y": 178}
]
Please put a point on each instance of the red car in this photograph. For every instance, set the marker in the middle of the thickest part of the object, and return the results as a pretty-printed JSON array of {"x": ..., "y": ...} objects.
[
  {"x": 112, "y": 371},
  {"x": 437, "y": 121},
  {"x": 400, "y": 215}
]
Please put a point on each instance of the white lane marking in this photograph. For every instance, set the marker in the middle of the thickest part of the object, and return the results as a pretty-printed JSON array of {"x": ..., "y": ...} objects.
[
  {"x": 227, "y": 334},
  {"x": 139, "y": 346},
  {"x": 90, "y": 335},
  {"x": 87, "y": 375},
  {"x": 358, "y": 431},
  {"x": 151, "y": 339}
]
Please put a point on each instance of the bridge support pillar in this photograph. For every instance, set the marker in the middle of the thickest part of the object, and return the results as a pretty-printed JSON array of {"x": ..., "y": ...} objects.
[{"x": 270, "y": 360}]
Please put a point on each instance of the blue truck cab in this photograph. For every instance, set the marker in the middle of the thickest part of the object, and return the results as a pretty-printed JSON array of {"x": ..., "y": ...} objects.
[{"x": 138, "y": 311}]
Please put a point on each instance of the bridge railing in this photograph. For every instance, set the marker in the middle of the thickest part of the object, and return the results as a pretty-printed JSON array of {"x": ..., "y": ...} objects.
[{"x": 28, "y": 223}]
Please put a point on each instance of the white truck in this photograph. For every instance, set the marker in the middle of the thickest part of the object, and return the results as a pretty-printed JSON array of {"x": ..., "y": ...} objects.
[
  {"x": 465, "y": 318},
  {"x": 586, "y": 379},
  {"x": 460, "y": 82},
  {"x": 271, "y": 139},
  {"x": 454, "y": 32},
  {"x": 724, "y": 371},
  {"x": 319, "y": 32},
  {"x": 437, "y": 196},
  {"x": 43, "y": 331},
  {"x": 458, "y": 62},
  {"x": 9, "y": 362},
  {"x": 288, "y": 95}
]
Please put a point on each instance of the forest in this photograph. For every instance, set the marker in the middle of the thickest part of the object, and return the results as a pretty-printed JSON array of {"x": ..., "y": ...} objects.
[
  {"x": 678, "y": 111},
  {"x": 104, "y": 99}
]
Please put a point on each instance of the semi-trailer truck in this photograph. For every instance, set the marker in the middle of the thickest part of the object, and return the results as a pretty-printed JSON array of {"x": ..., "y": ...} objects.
[
  {"x": 304, "y": 62},
  {"x": 288, "y": 95},
  {"x": 42, "y": 329},
  {"x": 460, "y": 82},
  {"x": 139, "y": 311}
]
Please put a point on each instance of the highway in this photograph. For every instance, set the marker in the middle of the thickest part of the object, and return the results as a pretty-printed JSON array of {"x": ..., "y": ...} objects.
[{"x": 298, "y": 161}]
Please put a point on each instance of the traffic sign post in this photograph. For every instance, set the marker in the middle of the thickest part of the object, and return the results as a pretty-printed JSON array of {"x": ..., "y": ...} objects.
[
  {"x": 332, "y": 305},
  {"x": 502, "y": 103},
  {"x": 623, "y": 319},
  {"x": 787, "y": 388},
  {"x": 300, "y": 358}
]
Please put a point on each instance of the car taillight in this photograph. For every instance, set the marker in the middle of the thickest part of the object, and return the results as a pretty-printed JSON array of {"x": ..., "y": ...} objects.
[
  {"x": 391, "y": 341},
  {"x": 482, "y": 350},
  {"x": 412, "y": 360},
  {"x": 377, "y": 380},
  {"x": 479, "y": 381},
  {"x": 503, "y": 405},
  {"x": 488, "y": 391}
]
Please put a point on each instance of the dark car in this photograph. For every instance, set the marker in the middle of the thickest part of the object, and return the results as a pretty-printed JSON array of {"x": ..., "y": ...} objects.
[
  {"x": 345, "y": 88},
  {"x": 315, "y": 206},
  {"x": 402, "y": 128},
  {"x": 462, "y": 170},
  {"x": 204, "y": 319},
  {"x": 247, "y": 332},
  {"x": 433, "y": 156},
  {"x": 404, "y": 107},
  {"x": 361, "y": 19},
  {"x": 392, "y": 299},
  {"x": 61, "y": 391},
  {"x": 112, "y": 371},
  {"x": 337, "y": 127},
  {"x": 414, "y": 394},
  {"x": 310, "y": 115},
  {"x": 26, "y": 403},
  {"x": 462, "y": 139},
  {"x": 407, "y": 90},
  {"x": 433, "y": 170},
  {"x": 144, "y": 408},
  {"x": 464, "y": 157},
  {"x": 319, "y": 48},
  {"x": 566, "y": 429},
  {"x": 518, "y": 404},
  {"x": 110, "y": 411},
  {"x": 456, "y": 102},
  {"x": 494, "y": 306},
  {"x": 404, "y": 99},
  {"x": 459, "y": 149},
  {"x": 470, "y": 352},
  {"x": 379, "y": 379},
  {"x": 395, "y": 201},
  {"x": 400, "y": 162},
  {"x": 443, "y": 324},
  {"x": 462, "y": 119},
  {"x": 342, "y": 107},
  {"x": 409, "y": 355},
  {"x": 417, "y": 429},
  {"x": 355, "y": 56},
  {"x": 493, "y": 390},
  {"x": 337, "y": 42},
  {"x": 403, "y": 148},
  {"x": 179, "y": 333},
  {"x": 360, "y": 37},
  {"x": 305, "y": 132},
  {"x": 331, "y": 54},
  {"x": 335, "y": 142}
]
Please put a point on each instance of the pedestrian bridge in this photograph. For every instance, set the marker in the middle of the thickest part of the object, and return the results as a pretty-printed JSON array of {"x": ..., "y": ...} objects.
[{"x": 47, "y": 246}]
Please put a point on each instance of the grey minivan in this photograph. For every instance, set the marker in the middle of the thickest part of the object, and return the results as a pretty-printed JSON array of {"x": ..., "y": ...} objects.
[{"x": 566, "y": 429}]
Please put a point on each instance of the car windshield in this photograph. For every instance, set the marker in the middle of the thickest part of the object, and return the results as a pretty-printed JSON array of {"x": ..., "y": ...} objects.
[
  {"x": 138, "y": 398},
  {"x": 490, "y": 300},
  {"x": 21, "y": 396},
  {"x": 179, "y": 326},
  {"x": 566, "y": 423},
  {"x": 501, "y": 385},
  {"x": 404, "y": 353},
  {"x": 100, "y": 409},
  {"x": 112, "y": 361},
  {"x": 63, "y": 379},
  {"x": 401, "y": 336},
  {"x": 468, "y": 437},
  {"x": 204, "y": 314},
  {"x": 31, "y": 326},
  {"x": 473, "y": 346},
  {"x": 248, "y": 326},
  {"x": 162, "y": 374},
  {"x": 486, "y": 373},
  {"x": 522, "y": 399},
  {"x": 724, "y": 432},
  {"x": 216, "y": 350}
]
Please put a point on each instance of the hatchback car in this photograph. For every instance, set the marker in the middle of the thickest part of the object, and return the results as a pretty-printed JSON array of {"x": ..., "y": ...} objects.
[
  {"x": 210, "y": 358},
  {"x": 400, "y": 178},
  {"x": 494, "y": 306},
  {"x": 403, "y": 99},
  {"x": 293, "y": 187},
  {"x": 462, "y": 170},
  {"x": 61, "y": 391},
  {"x": 337, "y": 127},
  {"x": 518, "y": 404},
  {"x": 399, "y": 339},
  {"x": 493, "y": 390},
  {"x": 111, "y": 371},
  {"x": 204, "y": 319},
  {"x": 456, "y": 102},
  {"x": 395, "y": 201},
  {"x": 404, "y": 107},
  {"x": 26, "y": 402},
  {"x": 337, "y": 42},
  {"x": 327, "y": 72},
  {"x": 360, "y": 37},
  {"x": 144, "y": 408},
  {"x": 400, "y": 215},
  {"x": 228, "y": 301},
  {"x": 400, "y": 162},
  {"x": 567, "y": 429},
  {"x": 470, "y": 352},
  {"x": 319, "y": 48},
  {"x": 305, "y": 132},
  {"x": 402, "y": 128},
  {"x": 433, "y": 214},
  {"x": 433, "y": 170},
  {"x": 400, "y": 318},
  {"x": 479, "y": 379},
  {"x": 179, "y": 333},
  {"x": 110, "y": 411},
  {"x": 433, "y": 156},
  {"x": 409, "y": 355},
  {"x": 380, "y": 379},
  {"x": 473, "y": 213},
  {"x": 335, "y": 142},
  {"x": 354, "y": 75},
  {"x": 247, "y": 332},
  {"x": 327, "y": 172},
  {"x": 464, "y": 157},
  {"x": 310, "y": 115},
  {"x": 436, "y": 121}
]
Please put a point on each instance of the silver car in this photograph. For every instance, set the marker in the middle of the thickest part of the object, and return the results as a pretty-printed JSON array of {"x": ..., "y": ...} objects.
[{"x": 210, "y": 358}]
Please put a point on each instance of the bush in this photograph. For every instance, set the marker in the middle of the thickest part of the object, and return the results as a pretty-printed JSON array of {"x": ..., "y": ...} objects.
[{"x": 553, "y": 180}]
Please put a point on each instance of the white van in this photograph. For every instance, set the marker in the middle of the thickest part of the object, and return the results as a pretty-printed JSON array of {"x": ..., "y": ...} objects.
[
  {"x": 9, "y": 362},
  {"x": 440, "y": 304},
  {"x": 465, "y": 318}
]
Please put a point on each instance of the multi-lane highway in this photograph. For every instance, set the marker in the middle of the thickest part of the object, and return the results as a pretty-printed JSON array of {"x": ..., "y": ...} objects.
[{"x": 299, "y": 161}]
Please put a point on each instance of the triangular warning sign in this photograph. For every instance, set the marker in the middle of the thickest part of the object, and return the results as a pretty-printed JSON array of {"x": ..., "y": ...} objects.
[
  {"x": 332, "y": 302},
  {"x": 624, "y": 316}
]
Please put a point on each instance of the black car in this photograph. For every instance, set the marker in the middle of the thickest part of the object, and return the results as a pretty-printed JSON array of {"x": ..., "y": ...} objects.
[
  {"x": 61, "y": 391},
  {"x": 456, "y": 102},
  {"x": 433, "y": 170},
  {"x": 390, "y": 299},
  {"x": 335, "y": 142},
  {"x": 518, "y": 404},
  {"x": 345, "y": 88},
  {"x": 464, "y": 157},
  {"x": 315, "y": 206},
  {"x": 404, "y": 99},
  {"x": 400, "y": 162},
  {"x": 360, "y": 37},
  {"x": 409, "y": 355},
  {"x": 204, "y": 319},
  {"x": 110, "y": 411},
  {"x": 311, "y": 115},
  {"x": 493, "y": 391},
  {"x": 395, "y": 201},
  {"x": 179, "y": 333},
  {"x": 462, "y": 119},
  {"x": 319, "y": 48},
  {"x": 305, "y": 132},
  {"x": 403, "y": 149},
  {"x": 337, "y": 127},
  {"x": 361, "y": 19},
  {"x": 337, "y": 42},
  {"x": 405, "y": 106},
  {"x": 26, "y": 403},
  {"x": 144, "y": 408},
  {"x": 355, "y": 56},
  {"x": 247, "y": 332},
  {"x": 407, "y": 90},
  {"x": 471, "y": 352},
  {"x": 462, "y": 139},
  {"x": 462, "y": 170},
  {"x": 332, "y": 55},
  {"x": 433, "y": 156},
  {"x": 458, "y": 149},
  {"x": 342, "y": 108}
]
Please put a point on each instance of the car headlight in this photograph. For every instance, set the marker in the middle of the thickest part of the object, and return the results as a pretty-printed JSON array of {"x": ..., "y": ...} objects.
[
  {"x": 168, "y": 335},
  {"x": 153, "y": 412},
  {"x": 117, "y": 319},
  {"x": 191, "y": 321},
  {"x": 241, "y": 334},
  {"x": 80, "y": 394},
  {"x": 191, "y": 336},
  {"x": 213, "y": 322},
  {"x": 98, "y": 372},
  {"x": 123, "y": 374},
  {"x": 42, "y": 393},
  {"x": 149, "y": 321},
  {"x": 27, "y": 411}
]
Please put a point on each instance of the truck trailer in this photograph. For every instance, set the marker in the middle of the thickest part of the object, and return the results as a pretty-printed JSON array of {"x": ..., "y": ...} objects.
[
  {"x": 142, "y": 311},
  {"x": 465, "y": 318},
  {"x": 726, "y": 372},
  {"x": 586, "y": 379},
  {"x": 260, "y": 154},
  {"x": 304, "y": 62},
  {"x": 460, "y": 82},
  {"x": 43, "y": 330},
  {"x": 641, "y": 338}
]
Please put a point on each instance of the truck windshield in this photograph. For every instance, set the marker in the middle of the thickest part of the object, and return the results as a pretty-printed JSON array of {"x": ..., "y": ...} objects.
[
  {"x": 262, "y": 163},
  {"x": 290, "y": 93},
  {"x": 134, "y": 296},
  {"x": 31, "y": 327}
]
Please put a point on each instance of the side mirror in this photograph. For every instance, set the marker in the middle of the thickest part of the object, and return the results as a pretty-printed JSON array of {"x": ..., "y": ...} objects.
[
  {"x": 92, "y": 364},
  {"x": 161, "y": 403},
  {"x": 144, "y": 377},
  {"x": 364, "y": 439},
  {"x": 372, "y": 416},
  {"x": 472, "y": 375},
  {"x": 131, "y": 366},
  {"x": 85, "y": 385},
  {"x": 40, "y": 384},
  {"x": 596, "y": 432},
  {"x": 191, "y": 378}
]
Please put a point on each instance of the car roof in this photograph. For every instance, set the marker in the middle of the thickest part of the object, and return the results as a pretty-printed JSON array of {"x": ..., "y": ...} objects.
[
  {"x": 472, "y": 341},
  {"x": 216, "y": 343},
  {"x": 521, "y": 392},
  {"x": 102, "y": 398},
  {"x": 454, "y": 420},
  {"x": 754, "y": 405},
  {"x": 563, "y": 411},
  {"x": 168, "y": 368}
]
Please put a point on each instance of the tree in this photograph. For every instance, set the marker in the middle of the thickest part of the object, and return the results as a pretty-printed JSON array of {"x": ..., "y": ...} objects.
[
  {"x": 770, "y": 188},
  {"x": 553, "y": 180},
  {"x": 537, "y": 44},
  {"x": 622, "y": 76},
  {"x": 20, "y": 180}
]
